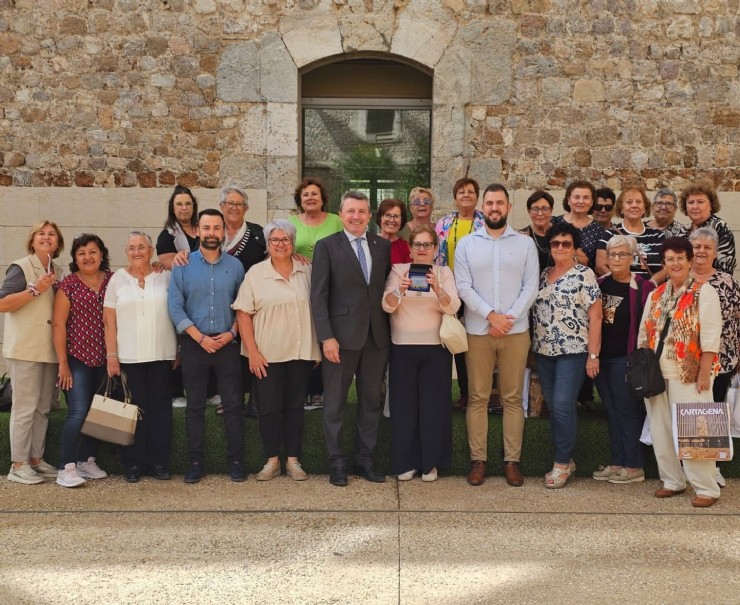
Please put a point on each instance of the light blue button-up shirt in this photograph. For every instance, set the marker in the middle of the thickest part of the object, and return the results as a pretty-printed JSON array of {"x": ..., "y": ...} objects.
[
  {"x": 201, "y": 293},
  {"x": 499, "y": 275}
]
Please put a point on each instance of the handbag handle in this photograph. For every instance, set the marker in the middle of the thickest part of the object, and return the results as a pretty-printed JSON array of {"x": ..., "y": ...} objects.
[{"x": 110, "y": 384}]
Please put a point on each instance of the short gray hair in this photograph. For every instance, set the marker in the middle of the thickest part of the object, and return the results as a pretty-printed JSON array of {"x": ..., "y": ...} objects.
[
  {"x": 228, "y": 189},
  {"x": 280, "y": 224},
  {"x": 355, "y": 195},
  {"x": 665, "y": 191},
  {"x": 622, "y": 240},
  {"x": 140, "y": 234},
  {"x": 705, "y": 233}
]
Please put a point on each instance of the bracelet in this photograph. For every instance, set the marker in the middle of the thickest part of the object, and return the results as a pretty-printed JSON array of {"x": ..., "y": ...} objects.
[
  {"x": 111, "y": 355},
  {"x": 232, "y": 331},
  {"x": 33, "y": 290},
  {"x": 397, "y": 294},
  {"x": 202, "y": 338}
]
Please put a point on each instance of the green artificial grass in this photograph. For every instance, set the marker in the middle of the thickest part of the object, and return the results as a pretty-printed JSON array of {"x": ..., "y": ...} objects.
[{"x": 592, "y": 449}]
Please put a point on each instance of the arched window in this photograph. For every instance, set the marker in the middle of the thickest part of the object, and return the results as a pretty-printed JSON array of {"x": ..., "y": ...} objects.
[{"x": 366, "y": 125}]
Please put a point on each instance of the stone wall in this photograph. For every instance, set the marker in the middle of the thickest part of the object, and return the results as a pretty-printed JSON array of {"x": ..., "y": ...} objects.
[{"x": 146, "y": 93}]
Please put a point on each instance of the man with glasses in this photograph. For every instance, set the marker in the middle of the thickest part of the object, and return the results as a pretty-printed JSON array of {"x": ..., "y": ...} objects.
[
  {"x": 200, "y": 297},
  {"x": 606, "y": 200},
  {"x": 347, "y": 284},
  {"x": 496, "y": 270},
  {"x": 664, "y": 213}
]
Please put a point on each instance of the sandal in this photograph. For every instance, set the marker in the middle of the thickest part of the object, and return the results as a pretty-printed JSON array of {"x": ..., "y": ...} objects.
[{"x": 558, "y": 477}]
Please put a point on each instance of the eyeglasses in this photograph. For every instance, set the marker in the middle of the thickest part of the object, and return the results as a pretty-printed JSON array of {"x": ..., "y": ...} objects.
[
  {"x": 418, "y": 202},
  {"x": 671, "y": 260},
  {"x": 619, "y": 255},
  {"x": 234, "y": 205},
  {"x": 603, "y": 207},
  {"x": 276, "y": 241},
  {"x": 559, "y": 243},
  {"x": 396, "y": 218},
  {"x": 134, "y": 249},
  {"x": 420, "y": 245},
  {"x": 665, "y": 204},
  {"x": 543, "y": 210}
]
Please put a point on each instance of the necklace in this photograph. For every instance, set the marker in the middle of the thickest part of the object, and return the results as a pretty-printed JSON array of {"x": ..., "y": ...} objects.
[
  {"x": 312, "y": 233},
  {"x": 454, "y": 224}
]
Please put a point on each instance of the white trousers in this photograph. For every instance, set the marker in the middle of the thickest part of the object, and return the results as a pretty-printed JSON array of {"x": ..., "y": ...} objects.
[{"x": 700, "y": 473}]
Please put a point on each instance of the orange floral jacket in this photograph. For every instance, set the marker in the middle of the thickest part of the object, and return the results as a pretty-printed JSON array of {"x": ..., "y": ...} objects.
[{"x": 686, "y": 330}]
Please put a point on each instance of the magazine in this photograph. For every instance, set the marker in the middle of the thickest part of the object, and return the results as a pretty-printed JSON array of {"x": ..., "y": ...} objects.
[{"x": 701, "y": 431}]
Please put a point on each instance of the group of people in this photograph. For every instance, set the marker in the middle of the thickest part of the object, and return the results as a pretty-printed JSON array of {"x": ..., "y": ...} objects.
[{"x": 303, "y": 306}]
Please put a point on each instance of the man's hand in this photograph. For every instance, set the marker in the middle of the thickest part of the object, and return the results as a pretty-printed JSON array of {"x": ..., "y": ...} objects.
[
  {"x": 499, "y": 324},
  {"x": 331, "y": 349}
]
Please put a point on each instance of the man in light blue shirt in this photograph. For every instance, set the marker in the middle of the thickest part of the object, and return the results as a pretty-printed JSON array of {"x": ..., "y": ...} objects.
[
  {"x": 200, "y": 298},
  {"x": 497, "y": 273}
]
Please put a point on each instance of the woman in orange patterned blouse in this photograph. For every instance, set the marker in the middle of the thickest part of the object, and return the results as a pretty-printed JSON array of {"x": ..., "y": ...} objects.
[{"x": 688, "y": 363}]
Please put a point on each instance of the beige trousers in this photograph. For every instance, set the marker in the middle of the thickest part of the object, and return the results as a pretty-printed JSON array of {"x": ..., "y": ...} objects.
[
  {"x": 33, "y": 387},
  {"x": 509, "y": 354},
  {"x": 700, "y": 473}
]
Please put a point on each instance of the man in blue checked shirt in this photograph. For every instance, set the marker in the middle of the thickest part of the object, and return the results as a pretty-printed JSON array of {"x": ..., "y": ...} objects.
[{"x": 200, "y": 298}]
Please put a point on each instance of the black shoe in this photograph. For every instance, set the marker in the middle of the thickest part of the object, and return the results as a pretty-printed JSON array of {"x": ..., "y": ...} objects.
[
  {"x": 367, "y": 471},
  {"x": 195, "y": 472},
  {"x": 237, "y": 472},
  {"x": 338, "y": 476},
  {"x": 132, "y": 474},
  {"x": 160, "y": 472}
]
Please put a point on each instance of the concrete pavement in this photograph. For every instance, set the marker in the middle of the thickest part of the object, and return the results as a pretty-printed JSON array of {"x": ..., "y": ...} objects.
[{"x": 396, "y": 543}]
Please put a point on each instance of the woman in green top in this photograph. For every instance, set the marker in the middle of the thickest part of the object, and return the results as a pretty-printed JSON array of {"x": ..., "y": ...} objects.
[{"x": 314, "y": 222}]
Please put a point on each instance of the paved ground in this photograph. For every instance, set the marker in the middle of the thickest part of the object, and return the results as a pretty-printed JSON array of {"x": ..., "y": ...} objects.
[{"x": 397, "y": 543}]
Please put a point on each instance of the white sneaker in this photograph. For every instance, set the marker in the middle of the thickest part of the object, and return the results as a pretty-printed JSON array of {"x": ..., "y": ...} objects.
[
  {"x": 407, "y": 476},
  {"x": 69, "y": 477},
  {"x": 45, "y": 469},
  {"x": 90, "y": 470},
  {"x": 719, "y": 478},
  {"x": 430, "y": 476},
  {"x": 24, "y": 474},
  {"x": 215, "y": 400},
  {"x": 179, "y": 402}
]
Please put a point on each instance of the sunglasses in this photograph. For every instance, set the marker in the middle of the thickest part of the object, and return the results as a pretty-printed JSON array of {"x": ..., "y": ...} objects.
[
  {"x": 421, "y": 202},
  {"x": 603, "y": 207},
  {"x": 558, "y": 243}
]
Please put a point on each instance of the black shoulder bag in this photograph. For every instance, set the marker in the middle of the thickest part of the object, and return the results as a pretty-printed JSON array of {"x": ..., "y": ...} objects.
[{"x": 644, "y": 378}]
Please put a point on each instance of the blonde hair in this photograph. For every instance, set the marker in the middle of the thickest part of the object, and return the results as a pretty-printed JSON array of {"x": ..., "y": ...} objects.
[{"x": 38, "y": 227}]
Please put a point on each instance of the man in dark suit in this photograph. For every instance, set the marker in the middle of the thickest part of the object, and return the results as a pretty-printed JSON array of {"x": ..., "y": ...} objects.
[{"x": 349, "y": 273}]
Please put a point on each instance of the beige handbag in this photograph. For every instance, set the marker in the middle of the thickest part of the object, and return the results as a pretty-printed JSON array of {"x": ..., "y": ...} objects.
[
  {"x": 112, "y": 420},
  {"x": 452, "y": 332}
]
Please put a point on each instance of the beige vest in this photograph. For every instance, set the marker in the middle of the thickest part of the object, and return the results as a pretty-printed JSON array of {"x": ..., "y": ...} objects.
[{"x": 28, "y": 329}]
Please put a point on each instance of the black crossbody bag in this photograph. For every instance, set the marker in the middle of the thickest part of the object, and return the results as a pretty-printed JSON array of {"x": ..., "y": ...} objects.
[{"x": 644, "y": 378}]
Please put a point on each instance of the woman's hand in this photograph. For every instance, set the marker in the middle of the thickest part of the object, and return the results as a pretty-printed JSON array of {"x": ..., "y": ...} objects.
[
  {"x": 158, "y": 267},
  {"x": 113, "y": 366},
  {"x": 304, "y": 260},
  {"x": 592, "y": 367},
  {"x": 45, "y": 282},
  {"x": 434, "y": 283},
  {"x": 702, "y": 381},
  {"x": 258, "y": 364},
  {"x": 181, "y": 259},
  {"x": 581, "y": 257},
  {"x": 64, "y": 380},
  {"x": 404, "y": 284}
]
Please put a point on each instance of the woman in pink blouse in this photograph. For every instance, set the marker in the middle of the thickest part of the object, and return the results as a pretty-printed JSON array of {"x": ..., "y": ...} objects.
[
  {"x": 77, "y": 330},
  {"x": 420, "y": 370}
]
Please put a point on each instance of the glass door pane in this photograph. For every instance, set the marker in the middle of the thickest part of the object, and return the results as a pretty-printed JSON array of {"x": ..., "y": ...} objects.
[{"x": 382, "y": 152}]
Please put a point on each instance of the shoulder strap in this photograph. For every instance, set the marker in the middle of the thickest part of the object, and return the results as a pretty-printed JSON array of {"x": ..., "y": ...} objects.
[{"x": 663, "y": 333}]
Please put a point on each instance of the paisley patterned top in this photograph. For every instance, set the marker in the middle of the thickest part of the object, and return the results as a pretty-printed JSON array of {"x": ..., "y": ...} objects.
[
  {"x": 728, "y": 291},
  {"x": 85, "y": 338},
  {"x": 560, "y": 313}
]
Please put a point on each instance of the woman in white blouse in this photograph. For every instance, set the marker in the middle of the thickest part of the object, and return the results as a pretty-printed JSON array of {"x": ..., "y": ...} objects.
[
  {"x": 278, "y": 336},
  {"x": 140, "y": 340},
  {"x": 420, "y": 370}
]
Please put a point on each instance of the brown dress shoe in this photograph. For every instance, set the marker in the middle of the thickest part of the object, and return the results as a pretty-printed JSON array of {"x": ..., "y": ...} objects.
[
  {"x": 477, "y": 474},
  {"x": 664, "y": 492},
  {"x": 513, "y": 475},
  {"x": 703, "y": 501}
]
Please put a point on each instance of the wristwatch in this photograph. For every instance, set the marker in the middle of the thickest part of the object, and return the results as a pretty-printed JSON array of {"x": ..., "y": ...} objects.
[{"x": 593, "y": 356}]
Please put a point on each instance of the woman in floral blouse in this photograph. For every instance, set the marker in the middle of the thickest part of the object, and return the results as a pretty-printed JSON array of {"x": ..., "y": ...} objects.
[{"x": 567, "y": 338}]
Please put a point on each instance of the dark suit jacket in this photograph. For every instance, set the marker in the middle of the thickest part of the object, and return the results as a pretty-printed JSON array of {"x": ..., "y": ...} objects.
[{"x": 343, "y": 305}]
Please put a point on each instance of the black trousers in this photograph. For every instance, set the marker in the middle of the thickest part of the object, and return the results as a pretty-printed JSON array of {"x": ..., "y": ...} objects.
[
  {"x": 281, "y": 395},
  {"x": 368, "y": 365},
  {"x": 227, "y": 364},
  {"x": 150, "y": 390},
  {"x": 420, "y": 380}
]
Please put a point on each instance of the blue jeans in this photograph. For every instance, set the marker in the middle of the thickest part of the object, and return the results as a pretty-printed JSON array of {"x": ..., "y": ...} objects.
[
  {"x": 561, "y": 377},
  {"x": 625, "y": 413},
  {"x": 85, "y": 383}
]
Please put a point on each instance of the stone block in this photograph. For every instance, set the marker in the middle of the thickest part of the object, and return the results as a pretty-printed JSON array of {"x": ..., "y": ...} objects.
[
  {"x": 253, "y": 128},
  {"x": 555, "y": 90},
  {"x": 452, "y": 77},
  {"x": 162, "y": 80},
  {"x": 448, "y": 131},
  {"x": 691, "y": 7},
  {"x": 364, "y": 31},
  {"x": 237, "y": 78},
  {"x": 282, "y": 176},
  {"x": 423, "y": 32},
  {"x": 490, "y": 45},
  {"x": 204, "y": 7},
  {"x": 588, "y": 91},
  {"x": 9, "y": 44},
  {"x": 487, "y": 170},
  {"x": 277, "y": 71},
  {"x": 681, "y": 28},
  {"x": 282, "y": 128},
  {"x": 313, "y": 35}
]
